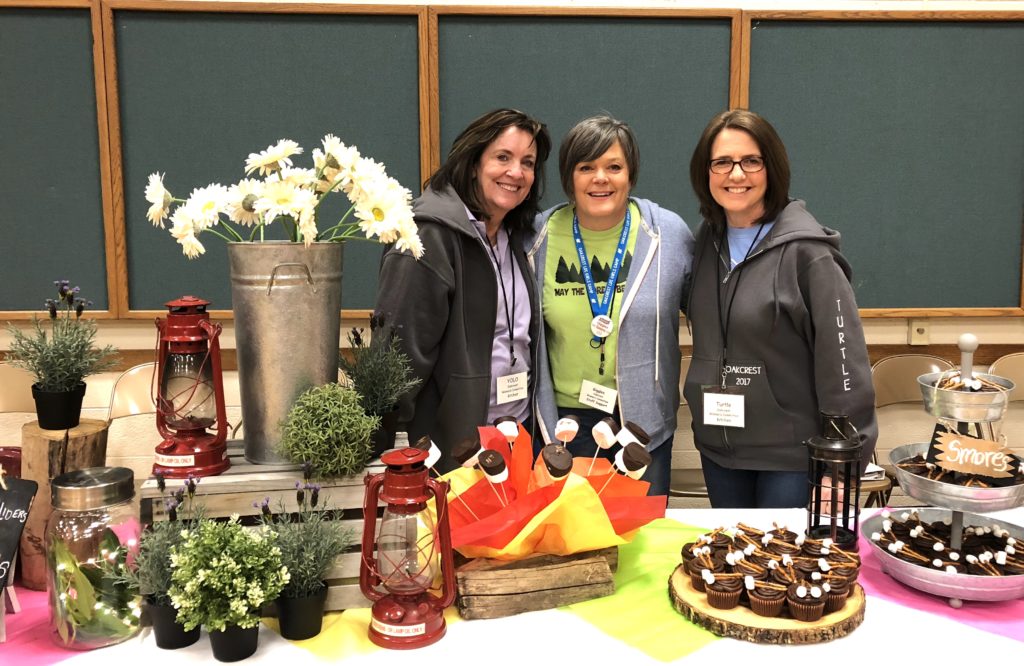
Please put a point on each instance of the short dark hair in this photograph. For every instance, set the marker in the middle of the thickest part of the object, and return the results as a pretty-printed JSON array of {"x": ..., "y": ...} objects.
[
  {"x": 590, "y": 139},
  {"x": 459, "y": 169},
  {"x": 772, "y": 150}
]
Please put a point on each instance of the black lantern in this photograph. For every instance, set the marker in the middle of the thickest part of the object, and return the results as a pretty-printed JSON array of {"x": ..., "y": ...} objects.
[{"x": 833, "y": 508}]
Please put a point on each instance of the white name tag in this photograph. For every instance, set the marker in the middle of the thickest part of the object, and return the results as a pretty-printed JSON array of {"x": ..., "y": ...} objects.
[
  {"x": 512, "y": 387},
  {"x": 598, "y": 397},
  {"x": 723, "y": 409}
]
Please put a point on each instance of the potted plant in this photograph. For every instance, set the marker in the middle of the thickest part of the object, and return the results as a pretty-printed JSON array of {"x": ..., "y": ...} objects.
[
  {"x": 328, "y": 428},
  {"x": 279, "y": 216},
  {"x": 222, "y": 574},
  {"x": 60, "y": 358},
  {"x": 150, "y": 572},
  {"x": 309, "y": 541},
  {"x": 381, "y": 373}
]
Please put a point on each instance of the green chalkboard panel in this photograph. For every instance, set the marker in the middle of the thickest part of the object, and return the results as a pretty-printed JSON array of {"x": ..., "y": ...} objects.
[
  {"x": 52, "y": 209},
  {"x": 665, "y": 77},
  {"x": 908, "y": 137},
  {"x": 199, "y": 92}
]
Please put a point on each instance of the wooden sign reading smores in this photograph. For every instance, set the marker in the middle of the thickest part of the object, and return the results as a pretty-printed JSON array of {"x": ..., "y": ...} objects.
[{"x": 957, "y": 452}]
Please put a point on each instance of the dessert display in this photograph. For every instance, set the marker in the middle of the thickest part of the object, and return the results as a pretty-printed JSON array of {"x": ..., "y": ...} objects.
[
  {"x": 772, "y": 573},
  {"x": 919, "y": 465}
]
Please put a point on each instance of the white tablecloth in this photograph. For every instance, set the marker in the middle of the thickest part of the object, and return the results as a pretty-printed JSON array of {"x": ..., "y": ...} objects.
[{"x": 889, "y": 634}]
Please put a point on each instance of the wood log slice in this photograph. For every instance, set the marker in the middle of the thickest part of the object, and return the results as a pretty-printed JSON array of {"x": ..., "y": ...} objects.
[{"x": 742, "y": 623}]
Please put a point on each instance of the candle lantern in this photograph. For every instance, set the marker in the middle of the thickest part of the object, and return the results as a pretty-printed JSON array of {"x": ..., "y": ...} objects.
[
  {"x": 833, "y": 477},
  {"x": 190, "y": 397},
  {"x": 402, "y": 558}
]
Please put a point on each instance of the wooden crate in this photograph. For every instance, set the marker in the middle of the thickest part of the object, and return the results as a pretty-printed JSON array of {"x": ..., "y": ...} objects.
[
  {"x": 244, "y": 483},
  {"x": 492, "y": 588}
]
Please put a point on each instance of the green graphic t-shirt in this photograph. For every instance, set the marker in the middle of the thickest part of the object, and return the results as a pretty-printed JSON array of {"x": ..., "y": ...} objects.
[{"x": 567, "y": 312}]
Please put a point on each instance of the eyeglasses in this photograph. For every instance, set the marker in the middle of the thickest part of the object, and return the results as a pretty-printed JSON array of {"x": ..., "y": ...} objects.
[{"x": 748, "y": 164}]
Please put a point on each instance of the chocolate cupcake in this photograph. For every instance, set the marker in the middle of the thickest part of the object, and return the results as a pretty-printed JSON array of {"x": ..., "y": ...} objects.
[
  {"x": 723, "y": 590},
  {"x": 837, "y": 589},
  {"x": 806, "y": 602},
  {"x": 688, "y": 551},
  {"x": 783, "y": 534},
  {"x": 766, "y": 599},
  {"x": 780, "y": 547},
  {"x": 696, "y": 567}
]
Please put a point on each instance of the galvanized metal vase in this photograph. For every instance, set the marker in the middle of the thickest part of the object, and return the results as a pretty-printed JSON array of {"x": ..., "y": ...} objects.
[{"x": 287, "y": 303}]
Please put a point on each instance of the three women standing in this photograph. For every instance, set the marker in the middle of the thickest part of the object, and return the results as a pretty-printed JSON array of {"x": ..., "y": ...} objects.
[
  {"x": 466, "y": 312},
  {"x": 777, "y": 338},
  {"x": 611, "y": 270}
]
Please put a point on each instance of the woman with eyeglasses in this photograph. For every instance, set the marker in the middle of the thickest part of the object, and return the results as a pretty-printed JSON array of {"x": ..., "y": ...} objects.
[{"x": 777, "y": 339}]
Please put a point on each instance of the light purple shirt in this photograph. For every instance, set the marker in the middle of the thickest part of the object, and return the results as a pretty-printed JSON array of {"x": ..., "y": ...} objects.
[{"x": 501, "y": 359}]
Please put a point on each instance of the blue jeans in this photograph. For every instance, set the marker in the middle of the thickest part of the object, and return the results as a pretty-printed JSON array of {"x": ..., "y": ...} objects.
[
  {"x": 755, "y": 489},
  {"x": 583, "y": 446}
]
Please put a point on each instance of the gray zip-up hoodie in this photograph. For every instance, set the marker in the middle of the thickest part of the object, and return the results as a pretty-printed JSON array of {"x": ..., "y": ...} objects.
[
  {"x": 795, "y": 344},
  {"x": 647, "y": 357},
  {"x": 444, "y": 306}
]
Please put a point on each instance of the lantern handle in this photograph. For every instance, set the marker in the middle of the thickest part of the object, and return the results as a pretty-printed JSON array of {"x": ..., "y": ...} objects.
[
  {"x": 448, "y": 576},
  {"x": 368, "y": 580},
  {"x": 291, "y": 264}
]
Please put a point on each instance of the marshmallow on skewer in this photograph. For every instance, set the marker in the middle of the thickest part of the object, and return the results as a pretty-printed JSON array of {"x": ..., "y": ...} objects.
[
  {"x": 467, "y": 453},
  {"x": 507, "y": 426},
  {"x": 433, "y": 453},
  {"x": 557, "y": 460},
  {"x": 632, "y": 460},
  {"x": 566, "y": 428},
  {"x": 493, "y": 465},
  {"x": 632, "y": 433},
  {"x": 604, "y": 433}
]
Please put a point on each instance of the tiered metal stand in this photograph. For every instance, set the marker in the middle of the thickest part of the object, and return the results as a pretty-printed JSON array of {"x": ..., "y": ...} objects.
[{"x": 983, "y": 410}]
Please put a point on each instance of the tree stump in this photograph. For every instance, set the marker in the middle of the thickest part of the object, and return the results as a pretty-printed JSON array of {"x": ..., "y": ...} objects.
[
  {"x": 46, "y": 454},
  {"x": 742, "y": 623}
]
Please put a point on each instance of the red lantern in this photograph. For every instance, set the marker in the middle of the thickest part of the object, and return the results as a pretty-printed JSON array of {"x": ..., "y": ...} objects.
[
  {"x": 411, "y": 551},
  {"x": 191, "y": 393}
]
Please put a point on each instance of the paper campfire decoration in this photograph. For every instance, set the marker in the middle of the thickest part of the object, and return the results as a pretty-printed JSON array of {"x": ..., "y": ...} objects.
[{"x": 593, "y": 507}]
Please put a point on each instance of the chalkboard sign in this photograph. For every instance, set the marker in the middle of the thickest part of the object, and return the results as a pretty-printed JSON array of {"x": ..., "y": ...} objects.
[
  {"x": 200, "y": 91},
  {"x": 14, "y": 505},
  {"x": 666, "y": 77},
  {"x": 908, "y": 138}
]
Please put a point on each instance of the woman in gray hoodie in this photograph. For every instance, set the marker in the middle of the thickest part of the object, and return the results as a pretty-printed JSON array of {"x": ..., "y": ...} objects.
[{"x": 777, "y": 339}]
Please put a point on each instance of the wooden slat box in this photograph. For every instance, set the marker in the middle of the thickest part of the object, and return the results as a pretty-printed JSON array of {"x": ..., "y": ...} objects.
[
  {"x": 244, "y": 483},
  {"x": 493, "y": 588}
]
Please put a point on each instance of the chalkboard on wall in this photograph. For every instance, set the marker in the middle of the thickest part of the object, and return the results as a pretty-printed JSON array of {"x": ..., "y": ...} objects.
[
  {"x": 52, "y": 206},
  {"x": 907, "y": 137},
  {"x": 15, "y": 502},
  {"x": 665, "y": 77},
  {"x": 200, "y": 91}
]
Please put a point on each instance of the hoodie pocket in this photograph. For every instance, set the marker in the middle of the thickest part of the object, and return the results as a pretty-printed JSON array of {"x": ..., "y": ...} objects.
[{"x": 765, "y": 421}]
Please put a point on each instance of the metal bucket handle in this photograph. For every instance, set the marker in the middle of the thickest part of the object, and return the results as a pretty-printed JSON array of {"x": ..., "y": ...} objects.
[{"x": 273, "y": 274}]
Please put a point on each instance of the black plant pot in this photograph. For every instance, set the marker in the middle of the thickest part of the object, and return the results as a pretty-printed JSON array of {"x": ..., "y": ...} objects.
[
  {"x": 58, "y": 410},
  {"x": 303, "y": 617},
  {"x": 234, "y": 643},
  {"x": 170, "y": 635},
  {"x": 383, "y": 438}
]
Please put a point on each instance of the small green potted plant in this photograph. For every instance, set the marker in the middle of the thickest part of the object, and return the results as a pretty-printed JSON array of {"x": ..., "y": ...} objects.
[
  {"x": 60, "y": 358},
  {"x": 222, "y": 574},
  {"x": 328, "y": 428},
  {"x": 309, "y": 541},
  {"x": 150, "y": 571},
  {"x": 381, "y": 373}
]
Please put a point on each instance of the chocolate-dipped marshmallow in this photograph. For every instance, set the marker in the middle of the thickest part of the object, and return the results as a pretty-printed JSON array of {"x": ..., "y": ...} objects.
[
  {"x": 566, "y": 428},
  {"x": 507, "y": 426},
  {"x": 604, "y": 432},
  {"x": 493, "y": 465},
  {"x": 467, "y": 452},
  {"x": 557, "y": 460},
  {"x": 632, "y": 460},
  {"x": 632, "y": 433},
  {"x": 433, "y": 453}
]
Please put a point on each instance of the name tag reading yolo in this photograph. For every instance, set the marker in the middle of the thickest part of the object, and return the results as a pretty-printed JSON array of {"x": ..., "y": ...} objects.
[
  {"x": 598, "y": 397},
  {"x": 512, "y": 387},
  {"x": 723, "y": 407}
]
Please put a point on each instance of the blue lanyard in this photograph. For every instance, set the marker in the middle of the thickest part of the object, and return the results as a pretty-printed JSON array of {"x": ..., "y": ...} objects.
[{"x": 602, "y": 307}]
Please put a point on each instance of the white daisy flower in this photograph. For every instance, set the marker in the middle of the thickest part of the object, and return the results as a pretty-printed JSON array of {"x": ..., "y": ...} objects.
[
  {"x": 275, "y": 157},
  {"x": 160, "y": 198},
  {"x": 364, "y": 174},
  {"x": 307, "y": 224},
  {"x": 283, "y": 198},
  {"x": 297, "y": 177},
  {"x": 334, "y": 164},
  {"x": 206, "y": 205},
  {"x": 242, "y": 201},
  {"x": 191, "y": 246},
  {"x": 382, "y": 209}
]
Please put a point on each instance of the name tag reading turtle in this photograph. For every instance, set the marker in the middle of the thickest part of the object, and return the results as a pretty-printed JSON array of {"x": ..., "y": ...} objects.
[
  {"x": 602, "y": 326},
  {"x": 598, "y": 397},
  {"x": 512, "y": 387},
  {"x": 723, "y": 407}
]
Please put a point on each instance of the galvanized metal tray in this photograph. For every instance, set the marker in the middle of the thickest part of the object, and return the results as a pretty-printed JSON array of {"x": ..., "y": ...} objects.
[
  {"x": 950, "y": 495},
  {"x": 969, "y": 406},
  {"x": 953, "y": 586}
]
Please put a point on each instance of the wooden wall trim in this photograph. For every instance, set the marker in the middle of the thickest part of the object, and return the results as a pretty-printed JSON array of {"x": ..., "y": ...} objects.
[
  {"x": 430, "y": 96},
  {"x": 739, "y": 67},
  {"x": 261, "y": 7},
  {"x": 885, "y": 15}
]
